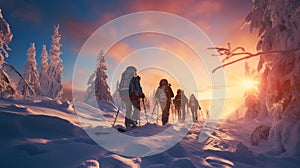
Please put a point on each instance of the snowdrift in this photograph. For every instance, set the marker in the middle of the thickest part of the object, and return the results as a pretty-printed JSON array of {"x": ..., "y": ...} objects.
[{"x": 40, "y": 134}]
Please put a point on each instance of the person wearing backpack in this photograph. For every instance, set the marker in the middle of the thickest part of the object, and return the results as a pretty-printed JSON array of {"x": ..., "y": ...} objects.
[
  {"x": 164, "y": 94},
  {"x": 177, "y": 103},
  {"x": 131, "y": 92},
  {"x": 180, "y": 102},
  {"x": 194, "y": 105}
]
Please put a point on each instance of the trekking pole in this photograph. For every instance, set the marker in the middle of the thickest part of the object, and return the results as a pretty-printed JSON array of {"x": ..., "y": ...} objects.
[
  {"x": 201, "y": 115},
  {"x": 140, "y": 119},
  {"x": 145, "y": 109},
  {"x": 173, "y": 113},
  {"x": 116, "y": 116},
  {"x": 155, "y": 108},
  {"x": 157, "y": 111}
]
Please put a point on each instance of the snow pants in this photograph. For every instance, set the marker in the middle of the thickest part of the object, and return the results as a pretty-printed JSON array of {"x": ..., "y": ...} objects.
[
  {"x": 165, "y": 112},
  {"x": 194, "y": 113},
  {"x": 131, "y": 117}
]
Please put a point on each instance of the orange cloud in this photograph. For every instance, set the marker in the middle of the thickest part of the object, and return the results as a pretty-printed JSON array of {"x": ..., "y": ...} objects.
[
  {"x": 67, "y": 91},
  {"x": 193, "y": 10},
  {"x": 78, "y": 31},
  {"x": 188, "y": 8},
  {"x": 119, "y": 51}
]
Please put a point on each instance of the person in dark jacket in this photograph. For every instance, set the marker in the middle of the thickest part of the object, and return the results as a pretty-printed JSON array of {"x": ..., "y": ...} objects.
[
  {"x": 164, "y": 95},
  {"x": 180, "y": 102},
  {"x": 194, "y": 105},
  {"x": 131, "y": 92}
]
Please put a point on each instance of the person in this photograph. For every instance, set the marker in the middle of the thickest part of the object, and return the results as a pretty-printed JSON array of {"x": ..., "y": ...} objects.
[
  {"x": 194, "y": 105},
  {"x": 131, "y": 92},
  {"x": 180, "y": 102},
  {"x": 164, "y": 95},
  {"x": 177, "y": 103}
]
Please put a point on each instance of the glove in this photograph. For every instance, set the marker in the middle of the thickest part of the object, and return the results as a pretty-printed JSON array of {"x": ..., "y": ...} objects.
[
  {"x": 199, "y": 108},
  {"x": 142, "y": 96}
]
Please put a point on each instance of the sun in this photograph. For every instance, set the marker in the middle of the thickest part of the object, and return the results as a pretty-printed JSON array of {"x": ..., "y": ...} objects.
[{"x": 249, "y": 84}]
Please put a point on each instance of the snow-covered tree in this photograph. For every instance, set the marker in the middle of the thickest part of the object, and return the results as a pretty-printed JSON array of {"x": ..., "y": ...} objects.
[
  {"x": 6, "y": 88},
  {"x": 30, "y": 74},
  {"x": 43, "y": 70},
  {"x": 102, "y": 90},
  {"x": 90, "y": 92},
  {"x": 278, "y": 22},
  {"x": 54, "y": 86}
]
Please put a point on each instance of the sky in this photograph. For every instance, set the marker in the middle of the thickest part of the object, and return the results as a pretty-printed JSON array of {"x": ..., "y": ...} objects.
[{"x": 220, "y": 20}]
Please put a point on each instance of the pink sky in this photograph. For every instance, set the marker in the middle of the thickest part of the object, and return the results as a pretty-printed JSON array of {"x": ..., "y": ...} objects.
[{"x": 220, "y": 20}]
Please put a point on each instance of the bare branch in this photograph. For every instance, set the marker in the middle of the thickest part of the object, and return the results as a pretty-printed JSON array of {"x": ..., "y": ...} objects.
[
  {"x": 228, "y": 53},
  {"x": 18, "y": 73}
]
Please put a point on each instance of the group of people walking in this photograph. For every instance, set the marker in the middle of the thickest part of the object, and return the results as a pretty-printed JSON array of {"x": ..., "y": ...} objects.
[
  {"x": 131, "y": 93},
  {"x": 181, "y": 102}
]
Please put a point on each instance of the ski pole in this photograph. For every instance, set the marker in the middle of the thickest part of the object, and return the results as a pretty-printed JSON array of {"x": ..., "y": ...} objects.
[
  {"x": 154, "y": 108},
  {"x": 157, "y": 111},
  {"x": 153, "y": 111},
  {"x": 116, "y": 116},
  {"x": 145, "y": 109}
]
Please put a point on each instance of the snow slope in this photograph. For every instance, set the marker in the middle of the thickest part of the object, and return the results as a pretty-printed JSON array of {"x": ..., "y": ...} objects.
[{"x": 43, "y": 133}]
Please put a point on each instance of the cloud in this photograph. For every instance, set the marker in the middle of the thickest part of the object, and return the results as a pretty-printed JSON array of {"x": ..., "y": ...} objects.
[
  {"x": 23, "y": 10},
  {"x": 32, "y": 16},
  {"x": 67, "y": 91},
  {"x": 203, "y": 8},
  {"x": 119, "y": 51},
  {"x": 188, "y": 8},
  {"x": 77, "y": 31},
  {"x": 27, "y": 13}
]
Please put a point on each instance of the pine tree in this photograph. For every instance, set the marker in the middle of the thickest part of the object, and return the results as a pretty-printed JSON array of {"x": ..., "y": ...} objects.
[
  {"x": 54, "y": 86},
  {"x": 102, "y": 90},
  {"x": 278, "y": 22},
  {"x": 43, "y": 71},
  {"x": 6, "y": 88},
  {"x": 30, "y": 74}
]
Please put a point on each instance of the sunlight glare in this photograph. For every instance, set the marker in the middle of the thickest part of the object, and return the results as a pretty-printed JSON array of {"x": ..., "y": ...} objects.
[{"x": 249, "y": 84}]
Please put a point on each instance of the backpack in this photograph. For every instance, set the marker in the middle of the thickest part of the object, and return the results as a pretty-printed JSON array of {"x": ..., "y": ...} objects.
[
  {"x": 162, "y": 96},
  {"x": 193, "y": 102},
  {"x": 132, "y": 86},
  {"x": 125, "y": 81},
  {"x": 177, "y": 100},
  {"x": 127, "y": 75}
]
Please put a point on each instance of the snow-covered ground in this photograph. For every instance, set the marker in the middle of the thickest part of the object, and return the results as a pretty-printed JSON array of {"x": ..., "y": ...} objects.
[{"x": 45, "y": 133}]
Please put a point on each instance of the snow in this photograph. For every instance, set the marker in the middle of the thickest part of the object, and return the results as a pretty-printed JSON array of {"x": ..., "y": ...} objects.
[
  {"x": 39, "y": 132},
  {"x": 285, "y": 138}
]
